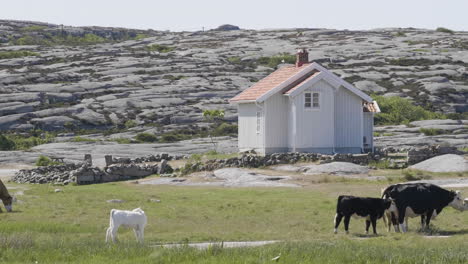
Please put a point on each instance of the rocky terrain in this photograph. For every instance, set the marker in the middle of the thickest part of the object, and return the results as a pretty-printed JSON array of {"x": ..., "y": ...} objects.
[
  {"x": 125, "y": 81},
  {"x": 166, "y": 78}
]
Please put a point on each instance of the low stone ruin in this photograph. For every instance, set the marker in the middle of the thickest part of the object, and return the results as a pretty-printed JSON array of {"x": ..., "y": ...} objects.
[{"x": 86, "y": 174}]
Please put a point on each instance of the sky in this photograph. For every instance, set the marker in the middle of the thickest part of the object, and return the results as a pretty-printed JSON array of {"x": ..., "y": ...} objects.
[{"x": 186, "y": 15}]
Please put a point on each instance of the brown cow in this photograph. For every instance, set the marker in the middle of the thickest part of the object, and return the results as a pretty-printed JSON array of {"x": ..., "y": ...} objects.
[{"x": 5, "y": 197}]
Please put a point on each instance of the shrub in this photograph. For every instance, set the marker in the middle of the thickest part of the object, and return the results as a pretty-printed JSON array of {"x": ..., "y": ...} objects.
[
  {"x": 45, "y": 161},
  {"x": 173, "y": 77},
  {"x": 445, "y": 30},
  {"x": 130, "y": 123},
  {"x": 122, "y": 140},
  {"x": 275, "y": 60},
  {"x": 226, "y": 129},
  {"x": 167, "y": 138},
  {"x": 24, "y": 142},
  {"x": 83, "y": 139},
  {"x": 6, "y": 143},
  {"x": 16, "y": 54},
  {"x": 159, "y": 48},
  {"x": 397, "y": 110},
  {"x": 234, "y": 60},
  {"x": 411, "y": 62},
  {"x": 381, "y": 164},
  {"x": 146, "y": 137},
  {"x": 409, "y": 175},
  {"x": 431, "y": 131}
]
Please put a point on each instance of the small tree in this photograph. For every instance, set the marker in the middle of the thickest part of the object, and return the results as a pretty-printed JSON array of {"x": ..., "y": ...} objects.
[
  {"x": 5, "y": 143},
  {"x": 214, "y": 117}
]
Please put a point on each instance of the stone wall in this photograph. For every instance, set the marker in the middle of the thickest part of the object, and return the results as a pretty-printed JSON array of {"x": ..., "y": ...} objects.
[
  {"x": 416, "y": 155},
  {"x": 254, "y": 161},
  {"x": 86, "y": 174}
]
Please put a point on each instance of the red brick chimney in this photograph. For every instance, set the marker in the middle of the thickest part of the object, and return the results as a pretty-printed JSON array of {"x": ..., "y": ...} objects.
[{"x": 302, "y": 57}]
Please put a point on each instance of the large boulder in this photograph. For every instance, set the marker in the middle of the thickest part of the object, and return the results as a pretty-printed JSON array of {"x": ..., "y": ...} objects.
[{"x": 443, "y": 163}]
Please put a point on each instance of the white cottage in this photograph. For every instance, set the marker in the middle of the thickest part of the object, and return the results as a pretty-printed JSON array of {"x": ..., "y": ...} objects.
[{"x": 305, "y": 108}]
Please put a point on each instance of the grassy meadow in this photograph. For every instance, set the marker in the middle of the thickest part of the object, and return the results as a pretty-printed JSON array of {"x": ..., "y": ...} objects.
[{"x": 69, "y": 226}]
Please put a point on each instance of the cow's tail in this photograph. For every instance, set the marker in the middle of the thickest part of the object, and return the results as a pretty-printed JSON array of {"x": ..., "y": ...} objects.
[{"x": 111, "y": 218}]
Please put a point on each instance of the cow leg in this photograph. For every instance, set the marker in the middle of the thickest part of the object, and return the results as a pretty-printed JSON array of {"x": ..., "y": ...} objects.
[
  {"x": 374, "y": 224},
  {"x": 346, "y": 223},
  {"x": 428, "y": 219},
  {"x": 114, "y": 234},
  {"x": 423, "y": 222},
  {"x": 401, "y": 218},
  {"x": 108, "y": 234},
  {"x": 394, "y": 222},
  {"x": 367, "y": 226},
  {"x": 406, "y": 223},
  {"x": 137, "y": 233},
  {"x": 142, "y": 233},
  {"x": 338, "y": 218}
]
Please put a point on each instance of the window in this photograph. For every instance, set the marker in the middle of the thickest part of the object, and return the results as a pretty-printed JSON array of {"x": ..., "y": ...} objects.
[
  {"x": 311, "y": 100},
  {"x": 308, "y": 100},
  {"x": 315, "y": 100},
  {"x": 259, "y": 119}
]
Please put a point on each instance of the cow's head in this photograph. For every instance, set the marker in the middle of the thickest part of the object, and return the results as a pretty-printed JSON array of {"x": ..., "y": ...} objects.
[
  {"x": 8, "y": 202},
  {"x": 390, "y": 206},
  {"x": 457, "y": 201}
]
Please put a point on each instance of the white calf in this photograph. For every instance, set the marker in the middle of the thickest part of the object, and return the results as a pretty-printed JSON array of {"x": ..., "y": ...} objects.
[{"x": 135, "y": 219}]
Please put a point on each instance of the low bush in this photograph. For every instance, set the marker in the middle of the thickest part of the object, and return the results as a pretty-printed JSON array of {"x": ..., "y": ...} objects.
[
  {"x": 409, "y": 175},
  {"x": 274, "y": 61},
  {"x": 6, "y": 143},
  {"x": 50, "y": 40},
  {"x": 167, "y": 138},
  {"x": 234, "y": 60},
  {"x": 396, "y": 110},
  {"x": 146, "y": 137},
  {"x": 225, "y": 129},
  {"x": 25, "y": 142},
  {"x": 159, "y": 48},
  {"x": 16, "y": 54},
  {"x": 381, "y": 164},
  {"x": 431, "y": 131},
  {"x": 83, "y": 139},
  {"x": 45, "y": 161},
  {"x": 122, "y": 140},
  {"x": 130, "y": 123}
]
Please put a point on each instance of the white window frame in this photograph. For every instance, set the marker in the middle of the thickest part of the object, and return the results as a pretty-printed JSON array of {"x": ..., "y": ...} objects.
[
  {"x": 311, "y": 107},
  {"x": 307, "y": 105},
  {"x": 318, "y": 99}
]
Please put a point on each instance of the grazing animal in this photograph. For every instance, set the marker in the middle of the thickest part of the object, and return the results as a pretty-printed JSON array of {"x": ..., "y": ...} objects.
[
  {"x": 6, "y": 198},
  {"x": 369, "y": 208},
  {"x": 420, "y": 199},
  {"x": 135, "y": 219}
]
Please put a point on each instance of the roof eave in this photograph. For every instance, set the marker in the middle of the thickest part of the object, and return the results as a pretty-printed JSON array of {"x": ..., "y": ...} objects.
[
  {"x": 241, "y": 101},
  {"x": 344, "y": 83},
  {"x": 284, "y": 84}
]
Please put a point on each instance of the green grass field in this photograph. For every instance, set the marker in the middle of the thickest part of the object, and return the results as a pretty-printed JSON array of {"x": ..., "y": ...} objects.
[{"x": 69, "y": 226}]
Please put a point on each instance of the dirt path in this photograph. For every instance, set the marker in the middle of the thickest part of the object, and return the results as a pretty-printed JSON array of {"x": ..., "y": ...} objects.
[
  {"x": 8, "y": 170},
  {"x": 205, "y": 245}
]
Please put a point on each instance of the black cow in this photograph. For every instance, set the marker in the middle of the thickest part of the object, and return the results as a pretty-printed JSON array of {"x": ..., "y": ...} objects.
[
  {"x": 369, "y": 208},
  {"x": 420, "y": 199}
]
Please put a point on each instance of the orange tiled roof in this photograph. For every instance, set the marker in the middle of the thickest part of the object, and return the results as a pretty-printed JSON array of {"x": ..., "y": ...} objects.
[
  {"x": 268, "y": 83},
  {"x": 370, "y": 107}
]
